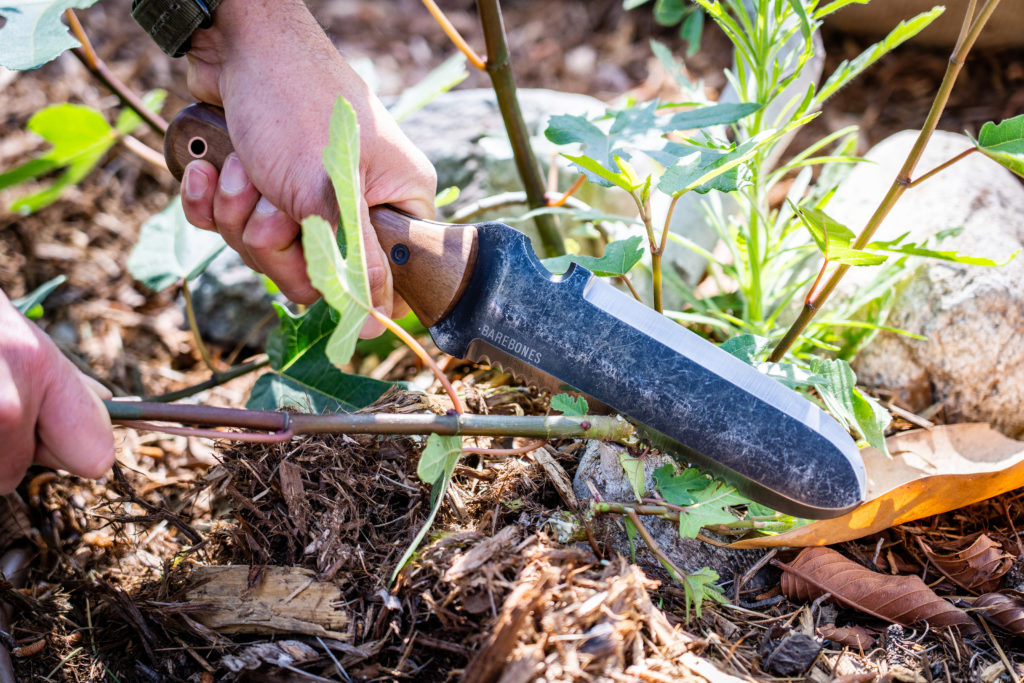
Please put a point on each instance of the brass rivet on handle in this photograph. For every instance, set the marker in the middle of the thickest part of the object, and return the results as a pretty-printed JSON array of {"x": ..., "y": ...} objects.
[{"x": 197, "y": 147}]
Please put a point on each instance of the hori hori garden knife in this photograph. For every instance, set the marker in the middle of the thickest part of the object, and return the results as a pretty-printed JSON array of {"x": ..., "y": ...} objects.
[{"x": 485, "y": 296}]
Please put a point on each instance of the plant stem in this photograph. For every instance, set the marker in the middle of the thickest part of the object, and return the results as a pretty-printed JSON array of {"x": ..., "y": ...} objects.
[
  {"x": 454, "y": 35},
  {"x": 678, "y": 574},
  {"x": 144, "y": 151},
  {"x": 944, "y": 165},
  {"x": 190, "y": 315},
  {"x": 216, "y": 380},
  {"x": 500, "y": 71},
  {"x": 968, "y": 34},
  {"x": 87, "y": 55},
  {"x": 570, "y": 192},
  {"x": 422, "y": 354},
  {"x": 656, "y": 248},
  {"x": 551, "y": 427}
]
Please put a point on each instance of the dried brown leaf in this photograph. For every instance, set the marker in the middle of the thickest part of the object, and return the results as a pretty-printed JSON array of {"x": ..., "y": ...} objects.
[
  {"x": 1005, "y": 610},
  {"x": 977, "y": 568},
  {"x": 932, "y": 471},
  {"x": 903, "y": 600},
  {"x": 857, "y": 637}
]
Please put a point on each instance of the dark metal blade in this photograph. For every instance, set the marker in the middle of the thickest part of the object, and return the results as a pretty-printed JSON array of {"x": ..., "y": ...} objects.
[{"x": 690, "y": 397}]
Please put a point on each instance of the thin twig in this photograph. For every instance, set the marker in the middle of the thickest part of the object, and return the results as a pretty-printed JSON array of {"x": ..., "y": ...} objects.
[
  {"x": 144, "y": 151},
  {"x": 190, "y": 315},
  {"x": 570, "y": 192},
  {"x": 216, "y": 380},
  {"x": 944, "y": 165},
  {"x": 87, "y": 55},
  {"x": 454, "y": 35},
  {"x": 531, "y": 446}
]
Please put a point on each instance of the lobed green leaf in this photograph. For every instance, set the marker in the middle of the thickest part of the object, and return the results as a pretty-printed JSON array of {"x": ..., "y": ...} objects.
[
  {"x": 1004, "y": 142},
  {"x": 169, "y": 249},
  {"x": 619, "y": 258},
  {"x": 569, "y": 405},
  {"x": 34, "y": 33}
]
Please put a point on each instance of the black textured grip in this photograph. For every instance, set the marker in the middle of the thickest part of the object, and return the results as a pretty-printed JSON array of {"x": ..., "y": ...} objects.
[{"x": 171, "y": 23}]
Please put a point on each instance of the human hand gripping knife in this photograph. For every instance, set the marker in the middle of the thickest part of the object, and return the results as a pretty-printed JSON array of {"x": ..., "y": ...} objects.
[{"x": 486, "y": 297}]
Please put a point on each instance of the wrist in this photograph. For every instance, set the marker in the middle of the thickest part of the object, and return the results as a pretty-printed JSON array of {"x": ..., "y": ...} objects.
[{"x": 239, "y": 26}]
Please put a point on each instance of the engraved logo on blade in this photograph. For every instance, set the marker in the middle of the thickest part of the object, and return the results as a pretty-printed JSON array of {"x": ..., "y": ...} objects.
[{"x": 510, "y": 344}]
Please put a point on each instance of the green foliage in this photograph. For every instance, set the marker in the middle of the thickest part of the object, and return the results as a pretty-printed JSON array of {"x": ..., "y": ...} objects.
[
  {"x": 341, "y": 280},
  {"x": 634, "y": 469},
  {"x": 170, "y": 249},
  {"x": 31, "y": 305},
  {"x": 446, "y": 196},
  {"x": 619, "y": 258},
  {"x": 678, "y": 489},
  {"x": 835, "y": 239},
  {"x": 705, "y": 501},
  {"x": 34, "y": 33},
  {"x": 852, "y": 408},
  {"x": 569, "y": 405},
  {"x": 79, "y": 138},
  {"x": 437, "y": 463},
  {"x": 303, "y": 378},
  {"x": 1004, "y": 142},
  {"x": 700, "y": 586},
  {"x": 676, "y": 13},
  {"x": 443, "y": 78}
]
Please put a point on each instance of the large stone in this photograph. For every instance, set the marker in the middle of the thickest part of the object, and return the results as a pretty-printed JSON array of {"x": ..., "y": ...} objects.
[
  {"x": 600, "y": 467},
  {"x": 972, "y": 317}
]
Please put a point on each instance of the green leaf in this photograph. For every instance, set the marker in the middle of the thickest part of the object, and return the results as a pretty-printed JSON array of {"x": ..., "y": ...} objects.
[
  {"x": 303, "y": 378},
  {"x": 711, "y": 115},
  {"x": 79, "y": 136},
  {"x": 169, "y": 249},
  {"x": 834, "y": 239},
  {"x": 854, "y": 411},
  {"x": 437, "y": 463},
  {"x": 569, "y": 405},
  {"x": 34, "y": 33},
  {"x": 691, "y": 31},
  {"x": 600, "y": 175},
  {"x": 747, "y": 347},
  {"x": 128, "y": 120},
  {"x": 446, "y": 196},
  {"x": 619, "y": 258},
  {"x": 668, "y": 62},
  {"x": 848, "y": 70},
  {"x": 449, "y": 74},
  {"x": 670, "y": 12},
  {"x": 837, "y": 5},
  {"x": 678, "y": 489},
  {"x": 1004, "y": 142},
  {"x": 32, "y": 302},
  {"x": 919, "y": 249},
  {"x": 709, "y": 508},
  {"x": 631, "y": 534},
  {"x": 342, "y": 281},
  {"x": 634, "y": 469},
  {"x": 700, "y": 586}
]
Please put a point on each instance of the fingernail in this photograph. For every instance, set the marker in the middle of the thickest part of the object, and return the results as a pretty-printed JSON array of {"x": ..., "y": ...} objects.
[
  {"x": 264, "y": 207},
  {"x": 232, "y": 178},
  {"x": 196, "y": 183}
]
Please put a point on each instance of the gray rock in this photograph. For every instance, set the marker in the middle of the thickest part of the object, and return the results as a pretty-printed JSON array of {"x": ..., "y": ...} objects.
[
  {"x": 463, "y": 135},
  {"x": 599, "y": 466},
  {"x": 231, "y": 302},
  {"x": 972, "y": 359}
]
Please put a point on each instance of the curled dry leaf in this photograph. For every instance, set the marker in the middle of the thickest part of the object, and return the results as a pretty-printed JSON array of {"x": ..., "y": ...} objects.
[
  {"x": 856, "y": 637},
  {"x": 1005, "y": 610},
  {"x": 903, "y": 600},
  {"x": 977, "y": 568},
  {"x": 930, "y": 472}
]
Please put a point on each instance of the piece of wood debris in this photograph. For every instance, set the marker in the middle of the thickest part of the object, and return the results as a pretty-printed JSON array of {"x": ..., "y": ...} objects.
[
  {"x": 285, "y": 600},
  {"x": 481, "y": 553}
]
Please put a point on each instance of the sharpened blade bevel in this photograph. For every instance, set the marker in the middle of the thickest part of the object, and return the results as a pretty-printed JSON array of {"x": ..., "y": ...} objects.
[{"x": 689, "y": 396}]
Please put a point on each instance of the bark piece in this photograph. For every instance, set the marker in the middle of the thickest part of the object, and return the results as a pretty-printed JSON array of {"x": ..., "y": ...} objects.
[{"x": 283, "y": 600}]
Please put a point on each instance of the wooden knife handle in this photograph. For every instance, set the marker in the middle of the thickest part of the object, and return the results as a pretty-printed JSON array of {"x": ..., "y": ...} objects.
[{"x": 431, "y": 262}]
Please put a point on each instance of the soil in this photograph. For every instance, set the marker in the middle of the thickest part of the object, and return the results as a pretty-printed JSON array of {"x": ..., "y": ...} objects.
[{"x": 118, "y": 584}]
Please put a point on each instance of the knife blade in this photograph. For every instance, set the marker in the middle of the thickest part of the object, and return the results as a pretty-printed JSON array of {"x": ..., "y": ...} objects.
[{"x": 485, "y": 296}]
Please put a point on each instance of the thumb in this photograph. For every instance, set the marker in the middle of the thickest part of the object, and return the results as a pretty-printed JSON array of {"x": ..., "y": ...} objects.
[
  {"x": 73, "y": 425},
  {"x": 378, "y": 272}
]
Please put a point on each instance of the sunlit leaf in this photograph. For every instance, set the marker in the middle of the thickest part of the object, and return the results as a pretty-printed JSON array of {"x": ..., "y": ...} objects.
[
  {"x": 634, "y": 469},
  {"x": 34, "y": 33},
  {"x": 437, "y": 463},
  {"x": 569, "y": 405},
  {"x": 847, "y": 404},
  {"x": 699, "y": 586},
  {"x": 710, "y": 507},
  {"x": 1004, "y": 142},
  {"x": 850, "y": 69},
  {"x": 169, "y": 249},
  {"x": 342, "y": 280},
  {"x": 128, "y": 120},
  {"x": 79, "y": 136},
  {"x": 834, "y": 239},
  {"x": 446, "y": 196},
  {"x": 711, "y": 115},
  {"x": 619, "y": 258},
  {"x": 443, "y": 78},
  {"x": 897, "y": 246}
]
